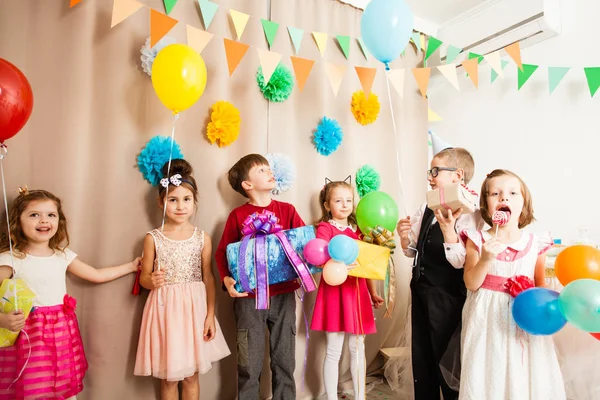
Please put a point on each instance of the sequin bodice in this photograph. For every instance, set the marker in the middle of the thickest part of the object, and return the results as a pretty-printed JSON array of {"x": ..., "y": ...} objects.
[{"x": 179, "y": 259}]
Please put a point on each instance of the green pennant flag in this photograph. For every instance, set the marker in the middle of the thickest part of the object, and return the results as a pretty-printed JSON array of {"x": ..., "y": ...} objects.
[
  {"x": 432, "y": 46},
  {"x": 208, "y": 10},
  {"x": 270, "y": 29},
  {"x": 525, "y": 74},
  {"x": 344, "y": 42},
  {"x": 452, "y": 53},
  {"x": 364, "y": 49},
  {"x": 416, "y": 38},
  {"x": 495, "y": 74},
  {"x": 296, "y": 35},
  {"x": 555, "y": 75},
  {"x": 593, "y": 79},
  {"x": 169, "y": 4},
  {"x": 475, "y": 55}
]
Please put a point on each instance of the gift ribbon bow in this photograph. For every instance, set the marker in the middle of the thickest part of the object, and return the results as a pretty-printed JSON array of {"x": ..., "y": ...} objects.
[
  {"x": 383, "y": 237},
  {"x": 258, "y": 225},
  {"x": 469, "y": 190}
]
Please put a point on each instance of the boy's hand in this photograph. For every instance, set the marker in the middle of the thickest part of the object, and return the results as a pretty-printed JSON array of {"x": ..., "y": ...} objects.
[
  {"x": 403, "y": 228},
  {"x": 447, "y": 220},
  {"x": 13, "y": 321},
  {"x": 230, "y": 285}
]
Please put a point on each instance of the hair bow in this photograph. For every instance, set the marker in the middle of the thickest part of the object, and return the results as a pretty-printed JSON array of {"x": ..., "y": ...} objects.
[{"x": 174, "y": 179}]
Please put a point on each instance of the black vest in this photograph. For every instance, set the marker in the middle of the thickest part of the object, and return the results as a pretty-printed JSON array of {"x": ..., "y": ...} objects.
[{"x": 430, "y": 265}]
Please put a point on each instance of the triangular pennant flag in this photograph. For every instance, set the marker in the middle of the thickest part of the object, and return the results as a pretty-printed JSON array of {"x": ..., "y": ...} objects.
[
  {"x": 366, "y": 76},
  {"x": 239, "y": 20},
  {"x": 234, "y": 51},
  {"x": 416, "y": 38},
  {"x": 268, "y": 62},
  {"x": 449, "y": 71},
  {"x": 197, "y": 39},
  {"x": 422, "y": 77},
  {"x": 74, "y": 3},
  {"x": 208, "y": 10},
  {"x": 472, "y": 68},
  {"x": 592, "y": 75},
  {"x": 525, "y": 74},
  {"x": 479, "y": 57},
  {"x": 514, "y": 51},
  {"x": 296, "y": 35},
  {"x": 555, "y": 75},
  {"x": 363, "y": 48},
  {"x": 432, "y": 46},
  {"x": 423, "y": 42},
  {"x": 438, "y": 144},
  {"x": 452, "y": 53},
  {"x": 432, "y": 116},
  {"x": 302, "y": 68},
  {"x": 160, "y": 24},
  {"x": 494, "y": 74},
  {"x": 270, "y": 29},
  {"x": 335, "y": 74},
  {"x": 495, "y": 62},
  {"x": 396, "y": 78},
  {"x": 169, "y": 4},
  {"x": 123, "y": 9},
  {"x": 321, "y": 41},
  {"x": 344, "y": 42}
]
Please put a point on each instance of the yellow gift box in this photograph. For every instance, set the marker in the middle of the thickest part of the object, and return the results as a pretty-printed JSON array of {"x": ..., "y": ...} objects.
[
  {"x": 372, "y": 261},
  {"x": 25, "y": 299}
]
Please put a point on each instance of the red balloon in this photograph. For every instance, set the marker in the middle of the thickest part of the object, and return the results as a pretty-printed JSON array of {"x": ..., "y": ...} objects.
[
  {"x": 596, "y": 335},
  {"x": 16, "y": 100}
]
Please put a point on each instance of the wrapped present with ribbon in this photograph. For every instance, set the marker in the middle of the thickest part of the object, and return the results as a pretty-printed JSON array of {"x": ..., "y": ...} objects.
[
  {"x": 268, "y": 255},
  {"x": 452, "y": 197},
  {"x": 14, "y": 295}
]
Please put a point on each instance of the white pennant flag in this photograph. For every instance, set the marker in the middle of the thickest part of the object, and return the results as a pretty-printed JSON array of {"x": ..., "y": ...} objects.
[
  {"x": 449, "y": 71},
  {"x": 269, "y": 60},
  {"x": 396, "y": 77},
  {"x": 494, "y": 60}
]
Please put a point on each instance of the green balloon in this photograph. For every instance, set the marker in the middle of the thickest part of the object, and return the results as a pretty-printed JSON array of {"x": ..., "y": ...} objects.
[
  {"x": 580, "y": 304},
  {"x": 376, "y": 208}
]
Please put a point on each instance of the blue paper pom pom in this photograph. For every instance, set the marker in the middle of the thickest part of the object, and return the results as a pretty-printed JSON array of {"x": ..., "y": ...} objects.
[
  {"x": 283, "y": 170},
  {"x": 328, "y": 136},
  {"x": 149, "y": 53},
  {"x": 154, "y": 156}
]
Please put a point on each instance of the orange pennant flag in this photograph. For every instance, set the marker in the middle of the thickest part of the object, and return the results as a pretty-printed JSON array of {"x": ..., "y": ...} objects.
[
  {"x": 514, "y": 51},
  {"x": 160, "y": 24},
  {"x": 366, "y": 76},
  {"x": 235, "y": 51},
  {"x": 472, "y": 68},
  {"x": 74, "y": 3},
  {"x": 123, "y": 9},
  {"x": 302, "y": 68},
  {"x": 422, "y": 77}
]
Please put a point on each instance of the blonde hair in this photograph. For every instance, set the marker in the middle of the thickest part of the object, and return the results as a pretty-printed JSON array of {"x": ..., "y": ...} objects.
[
  {"x": 526, "y": 216},
  {"x": 457, "y": 157}
]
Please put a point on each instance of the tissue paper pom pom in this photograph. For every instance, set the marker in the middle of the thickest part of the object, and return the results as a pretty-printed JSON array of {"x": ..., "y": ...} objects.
[
  {"x": 365, "y": 110},
  {"x": 154, "y": 156},
  {"x": 284, "y": 172},
  {"x": 367, "y": 180},
  {"x": 224, "y": 125},
  {"x": 279, "y": 88},
  {"x": 328, "y": 136},
  {"x": 149, "y": 54}
]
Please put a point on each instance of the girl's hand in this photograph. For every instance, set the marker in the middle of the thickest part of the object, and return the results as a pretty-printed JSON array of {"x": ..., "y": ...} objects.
[
  {"x": 209, "y": 328},
  {"x": 136, "y": 264},
  {"x": 491, "y": 249},
  {"x": 353, "y": 265},
  {"x": 13, "y": 321},
  {"x": 403, "y": 228},
  {"x": 377, "y": 300},
  {"x": 158, "y": 279}
]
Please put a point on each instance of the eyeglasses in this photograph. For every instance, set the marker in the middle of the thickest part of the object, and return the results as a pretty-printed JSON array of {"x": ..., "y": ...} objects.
[{"x": 433, "y": 172}]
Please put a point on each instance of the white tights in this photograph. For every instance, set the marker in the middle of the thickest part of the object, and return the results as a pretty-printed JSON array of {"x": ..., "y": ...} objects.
[{"x": 335, "y": 343}]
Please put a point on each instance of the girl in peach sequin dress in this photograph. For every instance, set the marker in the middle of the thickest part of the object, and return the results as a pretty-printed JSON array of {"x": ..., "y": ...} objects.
[{"x": 180, "y": 336}]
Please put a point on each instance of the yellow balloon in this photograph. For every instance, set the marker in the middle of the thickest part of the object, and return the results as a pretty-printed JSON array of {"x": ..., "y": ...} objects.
[{"x": 178, "y": 77}]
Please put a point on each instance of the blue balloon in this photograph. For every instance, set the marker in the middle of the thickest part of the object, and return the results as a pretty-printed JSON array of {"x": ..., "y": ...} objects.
[
  {"x": 386, "y": 27},
  {"x": 352, "y": 256},
  {"x": 342, "y": 248},
  {"x": 537, "y": 311}
]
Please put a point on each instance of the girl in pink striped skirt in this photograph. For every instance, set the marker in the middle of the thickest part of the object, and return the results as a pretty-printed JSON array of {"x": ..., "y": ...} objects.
[{"x": 47, "y": 361}]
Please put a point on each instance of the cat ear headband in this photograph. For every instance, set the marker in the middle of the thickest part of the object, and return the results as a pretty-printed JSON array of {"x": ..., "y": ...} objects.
[{"x": 348, "y": 180}]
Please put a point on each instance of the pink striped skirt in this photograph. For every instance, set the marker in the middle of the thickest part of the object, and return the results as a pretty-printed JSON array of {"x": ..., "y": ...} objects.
[{"x": 47, "y": 361}]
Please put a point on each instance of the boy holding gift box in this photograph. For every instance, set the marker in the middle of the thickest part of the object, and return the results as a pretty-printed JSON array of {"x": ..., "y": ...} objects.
[
  {"x": 438, "y": 289},
  {"x": 251, "y": 176}
]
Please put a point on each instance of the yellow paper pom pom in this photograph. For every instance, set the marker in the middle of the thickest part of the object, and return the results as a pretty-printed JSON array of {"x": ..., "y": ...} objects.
[
  {"x": 224, "y": 125},
  {"x": 365, "y": 110}
]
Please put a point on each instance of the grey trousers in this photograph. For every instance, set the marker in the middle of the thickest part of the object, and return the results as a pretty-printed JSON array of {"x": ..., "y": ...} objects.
[{"x": 280, "y": 318}]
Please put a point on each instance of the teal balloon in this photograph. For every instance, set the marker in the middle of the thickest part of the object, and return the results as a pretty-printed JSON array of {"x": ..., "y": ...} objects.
[
  {"x": 537, "y": 311},
  {"x": 386, "y": 27},
  {"x": 580, "y": 304},
  {"x": 342, "y": 248},
  {"x": 376, "y": 208}
]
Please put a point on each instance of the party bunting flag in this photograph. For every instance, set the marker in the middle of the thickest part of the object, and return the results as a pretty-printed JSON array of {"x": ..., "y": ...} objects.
[
  {"x": 422, "y": 77},
  {"x": 366, "y": 76},
  {"x": 270, "y": 29},
  {"x": 169, "y": 4},
  {"x": 472, "y": 68},
  {"x": 296, "y": 35},
  {"x": 363, "y": 48},
  {"x": 423, "y": 42},
  {"x": 239, "y": 20},
  {"x": 160, "y": 24},
  {"x": 344, "y": 42},
  {"x": 592, "y": 75},
  {"x": 335, "y": 74},
  {"x": 396, "y": 78},
  {"x": 432, "y": 116},
  {"x": 432, "y": 46},
  {"x": 416, "y": 39},
  {"x": 208, "y": 10},
  {"x": 321, "y": 41},
  {"x": 74, "y": 3},
  {"x": 449, "y": 72},
  {"x": 197, "y": 39},
  {"x": 479, "y": 57},
  {"x": 555, "y": 75},
  {"x": 302, "y": 68},
  {"x": 525, "y": 74},
  {"x": 514, "y": 51},
  {"x": 234, "y": 51},
  {"x": 122, "y": 9},
  {"x": 268, "y": 62},
  {"x": 495, "y": 74},
  {"x": 452, "y": 53},
  {"x": 495, "y": 62}
]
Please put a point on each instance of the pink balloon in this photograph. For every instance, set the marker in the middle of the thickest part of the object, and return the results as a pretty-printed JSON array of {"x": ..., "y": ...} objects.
[
  {"x": 315, "y": 252},
  {"x": 335, "y": 272}
]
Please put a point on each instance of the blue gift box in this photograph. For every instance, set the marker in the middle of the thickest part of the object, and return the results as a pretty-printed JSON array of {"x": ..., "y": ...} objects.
[{"x": 279, "y": 267}]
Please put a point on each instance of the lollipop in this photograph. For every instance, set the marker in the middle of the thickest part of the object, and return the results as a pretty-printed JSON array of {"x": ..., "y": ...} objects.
[{"x": 500, "y": 218}]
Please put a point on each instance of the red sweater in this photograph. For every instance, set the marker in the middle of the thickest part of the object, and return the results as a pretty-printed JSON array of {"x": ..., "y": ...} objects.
[{"x": 288, "y": 219}]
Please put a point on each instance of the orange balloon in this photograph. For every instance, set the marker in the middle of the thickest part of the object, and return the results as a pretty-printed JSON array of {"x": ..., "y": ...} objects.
[{"x": 577, "y": 262}]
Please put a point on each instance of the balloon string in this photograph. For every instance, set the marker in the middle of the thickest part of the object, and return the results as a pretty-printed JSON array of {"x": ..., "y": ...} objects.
[
  {"x": 162, "y": 228},
  {"x": 3, "y": 153}
]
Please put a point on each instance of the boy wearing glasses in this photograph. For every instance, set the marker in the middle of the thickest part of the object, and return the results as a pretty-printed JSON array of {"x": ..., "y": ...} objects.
[{"x": 438, "y": 289}]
